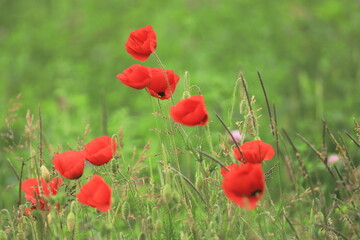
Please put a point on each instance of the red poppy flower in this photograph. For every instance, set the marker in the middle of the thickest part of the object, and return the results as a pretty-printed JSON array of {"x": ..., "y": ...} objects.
[
  {"x": 190, "y": 111},
  {"x": 100, "y": 150},
  {"x": 136, "y": 76},
  {"x": 141, "y": 43},
  {"x": 34, "y": 192},
  {"x": 70, "y": 164},
  {"x": 243, "y": 184},
  {"x": 96, "y": 193},
  {"x": 255, "y": 151},
  {"x": 159, "y": 84}
]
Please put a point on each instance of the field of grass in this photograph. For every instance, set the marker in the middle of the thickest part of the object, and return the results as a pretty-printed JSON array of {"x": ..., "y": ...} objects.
[{"x": 58, "y": 91}]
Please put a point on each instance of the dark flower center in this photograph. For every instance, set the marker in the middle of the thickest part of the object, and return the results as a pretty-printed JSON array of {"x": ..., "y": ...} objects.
[
  {"x": 161, "y": 94},
  {"x": 204, "y": 119},
  {"x": 255, "y": 193}
]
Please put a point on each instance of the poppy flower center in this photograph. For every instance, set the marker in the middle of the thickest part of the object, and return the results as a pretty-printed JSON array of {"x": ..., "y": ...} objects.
[
  {"x": 161, "y": 94},
  {"x": 255, "y": 193},
  {"x": 204, "y": 119}
]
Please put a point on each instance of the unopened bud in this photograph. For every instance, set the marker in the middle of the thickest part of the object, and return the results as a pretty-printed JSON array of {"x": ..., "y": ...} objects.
[
  {"x": 45, "y": 173},
  {"x": 21, "y": 236},
  {"x": 158, "y": 225},
  {"x": 176, "y": 197},
  {"x": 49, "y": 218},
  {"x": 321, "y": 233},
  {"x": 142, "y": 236},
  {"x": 121, "y": 236},
  {"x": 167, "y": 193},
  {"x": 319, "y": 218},
  {"x": 199, "y": 182},
  {"x": 71, "y": 221}
]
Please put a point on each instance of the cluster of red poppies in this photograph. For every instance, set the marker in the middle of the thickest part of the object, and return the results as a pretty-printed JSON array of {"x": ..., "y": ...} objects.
[
  {"x": 243, "y": 183},
  {"x": 158, "y": 82},
  {"x": 70, "y": 164}
]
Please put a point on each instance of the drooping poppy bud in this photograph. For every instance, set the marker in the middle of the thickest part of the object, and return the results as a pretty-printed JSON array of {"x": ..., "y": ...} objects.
[
  {"x": 96, "y": 193},
  {"x": 244, "y": 184},
  {"x": 136, "y": 76},
  {"x": 162, "y": 86},
  {"x": 255, "y": 152},
  {"x": 141, "y": 43},
  {"x": 100, "y": 150},
  {"x": 190, "y": 111},
  {"x": 70, "y": 164},
  {"x": 45, "y": 173}
]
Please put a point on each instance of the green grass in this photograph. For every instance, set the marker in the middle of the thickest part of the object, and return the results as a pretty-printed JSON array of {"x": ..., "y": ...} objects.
[{"x": 62, "y": 56}]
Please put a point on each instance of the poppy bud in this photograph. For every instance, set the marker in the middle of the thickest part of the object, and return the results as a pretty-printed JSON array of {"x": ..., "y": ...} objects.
[
  {"x": 190, "y": 111},
  {"x": 136, "y": 76},
  {"x": 319, "y": 218},
  {"x": 45, "y": 173},
  {"x": 100, "y": 150},
  {"x": 70, "y": 164},
  {"x": 254, "y": 152},
  {"x": 141, "y": 43},
  {"x": 199, "y": 181},
  {"x": 158, "y": 225},
  {"x": 21, "y": 236},
  {"x": 322, "y": 233},
  {"x": 142, "y": 236},
  {"x": 71, "y": 221},
  {"x": 167, "y": 194},
  {"x": 162, "y": 84}
]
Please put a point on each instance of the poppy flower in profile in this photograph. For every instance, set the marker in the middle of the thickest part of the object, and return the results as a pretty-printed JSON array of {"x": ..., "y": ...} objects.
[
  {"x": 159, "y": 84},
  {"x": 100, "y": 150},
  {"x": 244, "y": 184},
  {"x": 70, "y": 164},
  {"x": 254, "y": 152},
  {"x": 136, "y": 76},
  {"x": 35, "y": 192},
  {"x": 141, "y": 43},
  {"x": 96, "y": 193},
  {"x": 190, "y": 111}
]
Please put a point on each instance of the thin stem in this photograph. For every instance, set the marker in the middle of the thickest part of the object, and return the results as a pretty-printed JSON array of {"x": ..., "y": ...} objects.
[
  {"x": 353, "y": 139},
  {"x": 291, "y": 225},
  {"x": 104, "y": 116},
  {"x": 249, "y": 104},
  {"x": 187, "y": 180},
  {"x": 301, "y": 163},
  {"x": 212, "y": 158},
  {"x": 40, "y": 137},
  {"x": 20, "y": 182},
  {"x": 267, "y": 103}
]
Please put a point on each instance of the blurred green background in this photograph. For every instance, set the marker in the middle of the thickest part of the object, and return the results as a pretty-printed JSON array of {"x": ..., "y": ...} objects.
[{"x": 64, "y": 56}]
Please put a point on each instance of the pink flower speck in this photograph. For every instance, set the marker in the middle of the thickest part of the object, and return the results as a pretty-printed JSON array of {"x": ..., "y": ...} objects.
[
  {"x": 333, "y": 158},
  {"x": 237, "y": 136}
]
